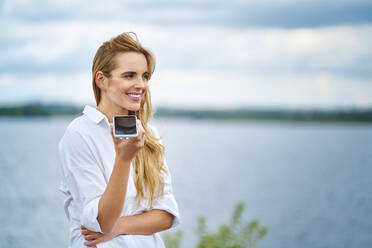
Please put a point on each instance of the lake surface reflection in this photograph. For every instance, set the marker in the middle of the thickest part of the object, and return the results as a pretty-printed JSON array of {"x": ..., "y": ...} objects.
[{"x": 310, "y": 183}]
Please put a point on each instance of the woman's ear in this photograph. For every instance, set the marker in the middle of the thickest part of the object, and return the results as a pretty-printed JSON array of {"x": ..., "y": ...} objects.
[{"x": 101, "y": 80}]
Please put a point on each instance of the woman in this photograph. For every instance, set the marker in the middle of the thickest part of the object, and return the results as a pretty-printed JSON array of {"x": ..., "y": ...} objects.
[{"x": 119, "y": 191}]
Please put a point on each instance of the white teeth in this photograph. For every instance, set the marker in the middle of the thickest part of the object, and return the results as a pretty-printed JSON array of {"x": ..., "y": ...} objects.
[{"x": 133, "y": 95}]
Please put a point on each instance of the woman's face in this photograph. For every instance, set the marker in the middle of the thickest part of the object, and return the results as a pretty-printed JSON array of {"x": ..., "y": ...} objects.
[{"x": 128, "y": 82}]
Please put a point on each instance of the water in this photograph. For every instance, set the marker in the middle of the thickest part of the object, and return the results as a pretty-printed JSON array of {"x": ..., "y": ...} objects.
[{"x": 310, "y": 183}]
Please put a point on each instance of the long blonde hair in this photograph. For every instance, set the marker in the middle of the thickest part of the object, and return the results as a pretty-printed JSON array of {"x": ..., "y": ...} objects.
[{"x": 148, "y": 163}]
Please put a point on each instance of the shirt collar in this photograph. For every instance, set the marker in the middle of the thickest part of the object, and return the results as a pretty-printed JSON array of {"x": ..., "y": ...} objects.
[{"x": 94, "y": 114}]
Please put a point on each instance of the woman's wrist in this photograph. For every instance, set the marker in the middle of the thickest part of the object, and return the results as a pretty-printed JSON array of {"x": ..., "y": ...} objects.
[
  {"x": 120, "y": 227},
  {"x": 123, "y": 159}
]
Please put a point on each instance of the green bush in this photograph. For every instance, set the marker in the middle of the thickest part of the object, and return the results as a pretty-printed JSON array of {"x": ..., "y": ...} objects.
[
  {"x": 234, "y": 235},
  {"x": 173, "y": 239}
]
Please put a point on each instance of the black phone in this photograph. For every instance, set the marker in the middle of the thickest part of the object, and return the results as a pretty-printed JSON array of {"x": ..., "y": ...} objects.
[{"x": 125, "y": 126}]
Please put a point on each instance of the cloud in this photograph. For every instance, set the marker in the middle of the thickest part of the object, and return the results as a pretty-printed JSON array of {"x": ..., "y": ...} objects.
[
  {"x": 69, "y": 46},
  {"x": 227, "y": 89},
  {"x": 203, "y": 89},
  {"x": 74, "y": 88},
  {"x": 208, "y": 64},
  {"x": 235, "y": 13}
]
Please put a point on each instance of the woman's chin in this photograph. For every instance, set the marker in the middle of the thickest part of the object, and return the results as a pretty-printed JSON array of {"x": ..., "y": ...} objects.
[
  {"x": 130, "y": 106},
  {"x": 133, "y": 108}
]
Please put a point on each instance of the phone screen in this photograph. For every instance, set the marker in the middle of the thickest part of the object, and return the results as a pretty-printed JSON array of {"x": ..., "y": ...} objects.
[{"x": 125, "y": 125}]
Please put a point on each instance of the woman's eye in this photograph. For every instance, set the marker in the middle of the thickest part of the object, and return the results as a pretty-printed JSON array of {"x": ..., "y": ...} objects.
[
  {"x": 146, "y": 77},
  {"x": 129, "y": 76}
]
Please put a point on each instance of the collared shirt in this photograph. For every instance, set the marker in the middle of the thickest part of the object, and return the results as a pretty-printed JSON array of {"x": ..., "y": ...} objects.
[{"x": 87, "y": 154}]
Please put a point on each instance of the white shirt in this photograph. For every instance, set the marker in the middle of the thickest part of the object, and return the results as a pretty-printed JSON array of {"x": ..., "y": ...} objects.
[{"x": 87, "y": 153}]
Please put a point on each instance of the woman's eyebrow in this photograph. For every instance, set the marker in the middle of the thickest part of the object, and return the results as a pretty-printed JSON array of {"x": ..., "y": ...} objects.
[
  {"x": 133, "y": 72},
  {"x": 127, "y": 72}
]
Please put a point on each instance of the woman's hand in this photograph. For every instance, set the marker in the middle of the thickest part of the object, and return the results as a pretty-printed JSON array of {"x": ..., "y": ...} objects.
[
  {"x": 127, "y": 149},
  {"x": 94, "y": 238}
]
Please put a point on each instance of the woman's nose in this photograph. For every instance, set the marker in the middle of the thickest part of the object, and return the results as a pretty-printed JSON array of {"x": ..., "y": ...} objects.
[{"x": 140, "y": 83}]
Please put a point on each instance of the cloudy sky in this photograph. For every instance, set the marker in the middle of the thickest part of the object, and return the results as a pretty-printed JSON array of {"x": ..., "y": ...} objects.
[{"x": 266, "y": 53}]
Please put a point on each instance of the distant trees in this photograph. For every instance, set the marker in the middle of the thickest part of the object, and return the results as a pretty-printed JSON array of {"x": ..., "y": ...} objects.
[
  {"x": 39, "y": 109},
  {"x": 269, "y": 114}
]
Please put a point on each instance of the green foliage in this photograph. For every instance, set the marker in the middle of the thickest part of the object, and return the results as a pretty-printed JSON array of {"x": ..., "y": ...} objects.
[
  {"x": 39, "y": 109},
  {"x": 348, "y": 115},
  {"x": 173, "y": 239},
  {"x": 234, "y": 235}
]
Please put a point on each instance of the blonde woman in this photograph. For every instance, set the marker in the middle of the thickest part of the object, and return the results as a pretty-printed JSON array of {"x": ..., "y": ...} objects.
[{"x": 118, "y": 191}]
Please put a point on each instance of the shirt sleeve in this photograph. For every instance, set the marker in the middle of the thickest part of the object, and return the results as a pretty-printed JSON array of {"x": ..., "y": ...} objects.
[
  {"x": 84, "y": 178},
  {"x": 168, "y": 201}
]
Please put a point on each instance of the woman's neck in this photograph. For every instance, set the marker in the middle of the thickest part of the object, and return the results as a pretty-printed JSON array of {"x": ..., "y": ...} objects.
[{"x": 110, "y": 110}]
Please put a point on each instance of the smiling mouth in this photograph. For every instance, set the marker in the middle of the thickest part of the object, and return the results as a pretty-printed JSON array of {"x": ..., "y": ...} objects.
[{"x": 134, "y": 96}]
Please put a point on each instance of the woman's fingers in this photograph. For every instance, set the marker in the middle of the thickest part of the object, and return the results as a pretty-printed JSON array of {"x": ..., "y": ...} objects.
[
  {"x": 128, "y": 148},
  {"x": 94, "y": 242},
  {"x": 112, "y": 134},
  {"x": 117, "y": 140},
  {"x": 112, "y": 130},
  {"x": 87, "y": 232},
  {"x": 141, "y": 131},
  {"x": 92, "y": 236}
]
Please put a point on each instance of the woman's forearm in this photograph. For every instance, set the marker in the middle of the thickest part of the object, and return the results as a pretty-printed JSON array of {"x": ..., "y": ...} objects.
[
  {"x": 112, "y": 200},
  {"x": 147, "y": 223}
]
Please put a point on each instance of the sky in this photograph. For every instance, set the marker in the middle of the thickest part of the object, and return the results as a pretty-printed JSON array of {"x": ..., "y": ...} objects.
[{"x": 209, "y": 54}]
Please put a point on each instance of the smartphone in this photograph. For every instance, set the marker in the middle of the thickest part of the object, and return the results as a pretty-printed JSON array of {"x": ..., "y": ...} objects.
[{"x": 125, "y": 126}]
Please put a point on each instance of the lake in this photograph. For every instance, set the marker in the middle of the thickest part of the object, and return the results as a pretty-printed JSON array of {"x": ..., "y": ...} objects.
[{"x": 309, "y": 183}]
